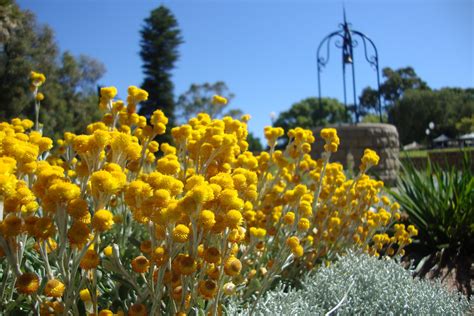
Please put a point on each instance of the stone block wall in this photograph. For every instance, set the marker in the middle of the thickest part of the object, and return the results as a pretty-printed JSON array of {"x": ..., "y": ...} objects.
[{"x": 383, "y": 138}]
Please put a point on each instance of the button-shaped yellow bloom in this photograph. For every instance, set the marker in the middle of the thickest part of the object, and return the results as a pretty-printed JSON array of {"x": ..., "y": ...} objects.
[
  {"x": 102, "y": 220},
  {"x": 85, "y": 295},
  {"x": 206, "y": 219},
  {"x": 78, "y": 234},
  {"x": 232, "y": 266},
  {"x": 218, "y": 100},
  {"x": 181, "y": 233},
  {"x": 207, "y": 289},
  {"x": 90, "y": 260},
  {"x": 54, "y": 288},
  {"x": 37, "y": 79},
  {"x": 137, "y": 310},
  {"x": 27, "y": 283},
  {"x": 212, "y": 255},
  {"x": 233, "y": 218},
  {"x": 140, "y": 264}
]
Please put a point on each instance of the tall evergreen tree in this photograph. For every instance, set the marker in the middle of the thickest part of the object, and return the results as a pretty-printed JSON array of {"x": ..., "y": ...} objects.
[{"x": 159, "y": 51}]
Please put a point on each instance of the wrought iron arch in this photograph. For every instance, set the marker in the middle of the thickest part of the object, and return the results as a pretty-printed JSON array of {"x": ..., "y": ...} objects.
[{"x": 347, "y": 39}]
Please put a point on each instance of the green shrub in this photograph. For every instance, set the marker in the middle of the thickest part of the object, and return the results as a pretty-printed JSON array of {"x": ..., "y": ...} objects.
[
  {"x": 441, "y": 206},
  {"x": 440, "y": 203},
  {"x": 359, "y": 284}
]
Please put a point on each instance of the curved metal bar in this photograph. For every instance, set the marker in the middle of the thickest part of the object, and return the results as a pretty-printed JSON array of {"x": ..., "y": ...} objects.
[
  {"x": 322, "y": 62},
  {"x": 372, "y": 60}
]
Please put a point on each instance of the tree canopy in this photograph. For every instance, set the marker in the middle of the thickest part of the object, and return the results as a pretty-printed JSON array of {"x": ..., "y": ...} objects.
[
  {"x": 395, "y": 83},
  {"x": 160, "y": 38},
  {"x": 446, "y": 108},
  {"x": 70, "y": 90},
  {"x": 198, "y": 98},
  {"x": 309, "y": 113}
]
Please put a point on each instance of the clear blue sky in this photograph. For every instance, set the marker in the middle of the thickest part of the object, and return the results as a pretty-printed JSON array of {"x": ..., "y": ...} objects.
[{"x": 265, "y": 50}]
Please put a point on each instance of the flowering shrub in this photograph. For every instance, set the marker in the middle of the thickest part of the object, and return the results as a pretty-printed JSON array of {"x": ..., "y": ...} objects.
[{"x": 113, "y": 222}]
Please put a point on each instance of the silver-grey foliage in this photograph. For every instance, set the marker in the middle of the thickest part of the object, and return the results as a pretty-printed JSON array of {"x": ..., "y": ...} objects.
[{"x": 373, "y": 287}]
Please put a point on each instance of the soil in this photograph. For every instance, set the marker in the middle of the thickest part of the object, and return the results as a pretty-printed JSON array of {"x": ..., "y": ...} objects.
[{"x": 455, "y": 271}]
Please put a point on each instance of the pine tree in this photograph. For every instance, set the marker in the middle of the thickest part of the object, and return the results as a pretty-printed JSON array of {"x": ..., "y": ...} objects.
[{"x": 159, "y": 51}]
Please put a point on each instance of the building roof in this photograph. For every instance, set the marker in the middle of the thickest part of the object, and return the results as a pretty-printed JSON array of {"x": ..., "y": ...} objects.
[{"x": 441, "y": 138}]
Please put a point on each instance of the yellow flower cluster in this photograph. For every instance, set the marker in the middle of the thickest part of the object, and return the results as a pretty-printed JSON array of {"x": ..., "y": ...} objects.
[
  {"x": 181, "y": 225},
  {"x": 219, "y": 100},
  {"x": 330, "y": 137},
  {"x": 369, "y": 159},
  {"x": 37, "y": 79}
]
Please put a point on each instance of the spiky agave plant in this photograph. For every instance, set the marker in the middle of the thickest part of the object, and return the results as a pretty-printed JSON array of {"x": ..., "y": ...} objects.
[{"x": 441, "y": 205}]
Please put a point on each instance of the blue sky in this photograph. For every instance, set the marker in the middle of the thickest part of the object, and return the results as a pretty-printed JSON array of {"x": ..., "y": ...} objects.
[{"x": 266, "y": 50}]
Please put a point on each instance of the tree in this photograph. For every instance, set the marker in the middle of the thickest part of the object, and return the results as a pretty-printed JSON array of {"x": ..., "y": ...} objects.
[
  {"x": 70, "y": 90},
  {"x": 309, "y": 114},
  {"x": 465, "y": 125},
  {"x": 255, "y": 145},
  {"x": 417, "y": 108},
  {"x": 198, "y": 99},
  {"x": 391, "y": 90},
  {"x": 159, "y": 52}
]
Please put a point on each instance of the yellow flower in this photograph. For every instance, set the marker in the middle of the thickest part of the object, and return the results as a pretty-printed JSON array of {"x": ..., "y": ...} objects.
[
  {"x": 232, "y": 266},
  {"x": 258, "y": 232},
  {"x": 106, "y": 312},
  {"x": 37, "y": 79},
  {"x": 233, "y": 218},
  {"x": 106, "y": 182},
  {"x": 44, "y": 228},
  {"x": 330, "y": 137},
  {"x": 102, "y": 220},
  {"x": 140, "y": 264},
  {"x": 369, "y": 159},
  {"x": 137, "y": 310},
  {"x": 63, "y": 192},
  {"x": 181, "y": 233},
  {"x": 108, "y": 92},
  {"x": 90, "y": 260},
  {"x": 27, "y": 283},
  {"x": 145, "y": 246},
  {"x": 298, "y": 251},
  {"x": 85, "y": 295},
  {"x": 218, "y": 100},
  {"x": 187, "y": 265},
  {"x": 207, "y": 289},
  {"x": 289, "y": 218},
  {"x": 272, "y": 134},
  {"x": 229, "y": 288},
  {"x": 39, "y": 97},
  {"x": 11, "y": 226},
  {"x": 212, "y": 255},
  {"x": 78, "y": 234},
  {"x": 54, "y": 288},
  {"x": 159, "y": 120},
  {"x": 293, "y": 242},
  {"x": 108, "y": 251},
  {"x": 206, "y": 219},
  {"x": 160, "y": 256}
]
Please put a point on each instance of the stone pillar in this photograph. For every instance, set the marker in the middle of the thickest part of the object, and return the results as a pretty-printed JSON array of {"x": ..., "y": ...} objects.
[{"x": 383, "y": 138}]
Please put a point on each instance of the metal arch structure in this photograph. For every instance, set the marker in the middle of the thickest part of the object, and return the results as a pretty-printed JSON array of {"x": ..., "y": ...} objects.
[{"x": 346, "y": 40}]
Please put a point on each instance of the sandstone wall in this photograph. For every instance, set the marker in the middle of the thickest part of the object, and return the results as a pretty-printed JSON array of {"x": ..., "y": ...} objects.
[{"x": 383, "y": 138}]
